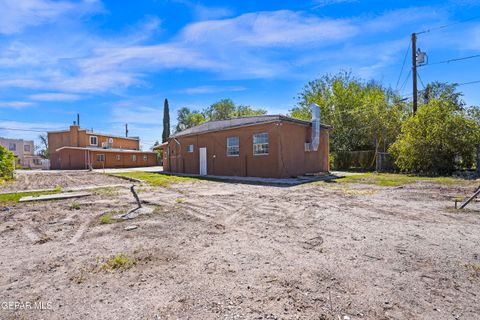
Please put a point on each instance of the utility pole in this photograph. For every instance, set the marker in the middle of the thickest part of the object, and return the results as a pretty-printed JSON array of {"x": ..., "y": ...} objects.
[
  {"x": 414, "y": 71},
  {"x": 126, "y": 130}
]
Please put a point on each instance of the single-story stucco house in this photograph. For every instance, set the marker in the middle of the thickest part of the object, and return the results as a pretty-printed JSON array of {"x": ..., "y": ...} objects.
[{"x": 273, "y": 146}]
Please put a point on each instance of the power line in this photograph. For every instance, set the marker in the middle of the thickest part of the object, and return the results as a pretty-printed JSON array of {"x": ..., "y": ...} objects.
[
  {"x": 466, "y": 83},
  {"x": 19, "y": 129},
  {"x": 403, "y": 65},
  {"x": 448, "y": 25},
  {"x": 421, "y": 81},
  {"x": 406, "y": 79},
  {"x": 450, "y": 60}
]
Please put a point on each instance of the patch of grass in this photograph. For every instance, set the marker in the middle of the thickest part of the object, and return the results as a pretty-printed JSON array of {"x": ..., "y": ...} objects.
[
  {"x": 107, "y": 191},
  {"x": 6, "y": 180},
  {"x": 178, "y": 200},
  {"x": 155, "y": 179},
  {"x": 394, "y": 180},
  {"x": 43, "y": 239},
  {"x": 75, "y": 206},
  {"x": 474, "y": 270},
  {"x": 15, "y": 197},
  {"x": 106, "y": 219},
  {"x": 357, "y": 192},
  {"x": 119, "y": 261}
]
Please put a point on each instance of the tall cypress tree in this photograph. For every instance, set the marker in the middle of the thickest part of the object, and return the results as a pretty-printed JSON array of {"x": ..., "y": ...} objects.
[{"x": 166, "y": 121}]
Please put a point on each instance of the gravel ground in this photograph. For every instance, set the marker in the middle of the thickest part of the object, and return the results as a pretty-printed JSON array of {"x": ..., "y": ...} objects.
[
  {"x": 36, "y": 180},
  {"x": 216, "y": 250}
]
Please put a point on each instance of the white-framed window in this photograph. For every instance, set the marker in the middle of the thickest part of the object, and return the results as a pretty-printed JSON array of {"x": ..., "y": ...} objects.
[
  {"x": 12, "y": 146},
  {"x": 93, "y": 141},
  {"x": 145, "y": 157},
  {"x": 233, "y": 146},
  {"x": 260, "y": 144},
  {"x": 26, "y": 148},
  {"x": 100, "y": 157},
  {"x": 190, "y": 148},
  {"x": 37, "y": 161},
  {"x": 118, "y": 157},
  {"x": 134, "y": 157}
]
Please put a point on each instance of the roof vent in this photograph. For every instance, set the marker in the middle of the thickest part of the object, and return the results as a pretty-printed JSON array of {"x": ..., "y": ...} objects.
[{"x": 315, "y": 126}]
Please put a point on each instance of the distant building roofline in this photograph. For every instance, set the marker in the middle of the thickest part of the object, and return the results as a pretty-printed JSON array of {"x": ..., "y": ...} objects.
[
  {"x": 16, "y": 139},
  {"x": 97, "y": 133},
  {"x": 106, "y": 150},
  {"x": 159, "y": 146}
]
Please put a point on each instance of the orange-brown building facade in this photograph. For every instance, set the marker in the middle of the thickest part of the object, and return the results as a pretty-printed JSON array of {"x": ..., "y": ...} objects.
[
  {"x": 81, "y": 149},
  {"x": 273, "y": 146}
]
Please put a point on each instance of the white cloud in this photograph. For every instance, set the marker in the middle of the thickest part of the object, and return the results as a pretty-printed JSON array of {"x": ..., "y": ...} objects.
[
  {"x": 26, "y": 130},
  {"x": 269, "y": 29},
  {"x": 55, "y": 97},
  {"x": 143, "y": 58},
  {"x": 137, "y": 115},
  {"x": 206, "y": 13},
  {"x": 17, "y": 15},
  {"x": 394, "y": 19},
  {"x": 15, "y": 104},
  {"x": 326, "y": 3},
  {"x": 211, "y": 89},
  {"x": 201, "y": 12},
  {"x": 274, "y": 44}
]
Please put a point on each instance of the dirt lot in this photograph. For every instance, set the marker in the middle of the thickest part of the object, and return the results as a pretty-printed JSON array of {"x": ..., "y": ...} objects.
[
  {"x": 35, "y": 180},
  {"x": 216, "y": 250}
]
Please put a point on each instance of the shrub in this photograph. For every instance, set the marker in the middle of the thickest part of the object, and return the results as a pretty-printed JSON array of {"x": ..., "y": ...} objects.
[
  {"x": 118, "y": 262},
  {"x": 106, "y": 219},
  {"x": 432, "y": 140},
  {"x": 75, "y": 206},
  {"x": 6, "y": 164}
]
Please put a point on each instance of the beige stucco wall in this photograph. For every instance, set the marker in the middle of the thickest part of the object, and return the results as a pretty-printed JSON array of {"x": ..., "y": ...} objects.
[{"x": 25, "y": 157}]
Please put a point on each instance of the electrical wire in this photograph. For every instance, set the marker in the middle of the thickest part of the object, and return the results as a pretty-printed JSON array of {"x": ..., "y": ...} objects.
[
  {"x": 421, "y": 81},
  {"x": 450, "y": 60},
  {"x": 19, "y": 129},
  {"x": 403, "y": 65},
  {"x": 405, "y": 82},
  {"x": 467, "y": 83},
  {"x": 448, "y": 25}
]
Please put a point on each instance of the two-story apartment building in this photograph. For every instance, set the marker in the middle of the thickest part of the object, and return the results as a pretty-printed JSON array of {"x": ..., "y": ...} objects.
[
  {"x": 24, "y": 152},
  {"x": 78, "y": 148}
]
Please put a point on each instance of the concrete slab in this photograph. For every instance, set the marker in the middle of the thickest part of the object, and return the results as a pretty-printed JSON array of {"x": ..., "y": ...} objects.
[
  {"x": 259, "y": 180},
  {"x": 142, "y": 169},
  {"x": 56, "y": 196},
  {"x": 113, "y": 170}
]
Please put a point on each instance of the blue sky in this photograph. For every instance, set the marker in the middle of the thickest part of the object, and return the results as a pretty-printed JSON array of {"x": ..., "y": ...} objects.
[{"x": 115, "y": 62}]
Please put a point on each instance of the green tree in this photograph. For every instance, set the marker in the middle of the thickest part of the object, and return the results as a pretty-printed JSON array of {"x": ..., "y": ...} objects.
[
  {"x": 436, "y": 139},
  {"x": 166, "y": 121},
  {"x": 364, "y": 115},
  {"x": 444, "y": 92},
  {"x": 220, "y": 110},
  {"x": 247, "y": 111},
  {"x": 6, "y": 164},
  {"x": 187, "y": 118}
]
